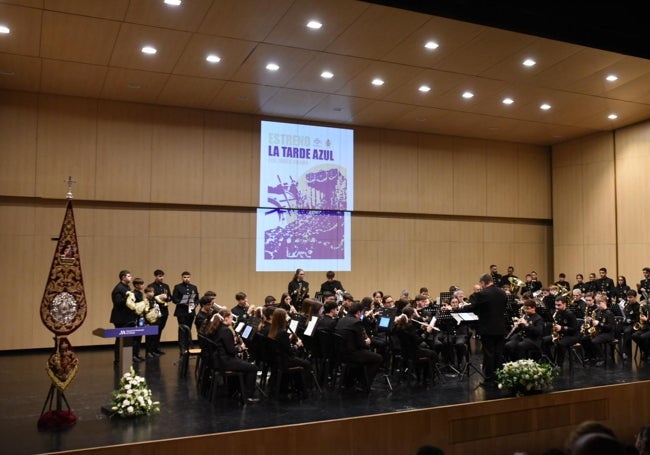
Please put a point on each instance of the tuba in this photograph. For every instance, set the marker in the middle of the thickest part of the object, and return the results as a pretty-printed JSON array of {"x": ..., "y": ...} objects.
[{"x": 515, "y": 285}]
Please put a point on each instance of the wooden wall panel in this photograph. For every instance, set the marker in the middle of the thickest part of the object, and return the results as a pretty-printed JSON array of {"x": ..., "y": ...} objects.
[
  {"x": 18, "y": 117},
  {"x": 124, "y": 155},
  {"x": 178, "y": 149},
  {"x": 67, "y": 145},
  {"x": 534, "y": 183},
  {"x": 470, "y": 179},
  {"x": 231, "y": 160},
  {"x": 367, "y": 173},
  {"x": 193, "y": 164},
  {"x": 435, "y": 174},
  {"x": 502, "y": 169},
  {"x": 398, "y": 160}
]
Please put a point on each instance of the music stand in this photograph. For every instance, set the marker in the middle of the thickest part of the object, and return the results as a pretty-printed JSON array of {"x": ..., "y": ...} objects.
[
  {"x": 446, "y": 323},
  {"x": 466, "y": 318}
]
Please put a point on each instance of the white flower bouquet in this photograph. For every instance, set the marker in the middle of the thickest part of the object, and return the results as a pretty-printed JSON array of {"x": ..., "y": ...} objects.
[
  {"x": 526, "y": 376},
  {"x": 133, "y": 398}
]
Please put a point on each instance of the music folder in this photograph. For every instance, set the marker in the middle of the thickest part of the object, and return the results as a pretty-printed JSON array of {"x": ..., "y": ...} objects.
[{"x": 310, "y": 327}]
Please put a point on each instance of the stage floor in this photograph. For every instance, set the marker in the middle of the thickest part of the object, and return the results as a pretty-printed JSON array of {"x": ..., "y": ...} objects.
[{"x": 25, "y": 384}]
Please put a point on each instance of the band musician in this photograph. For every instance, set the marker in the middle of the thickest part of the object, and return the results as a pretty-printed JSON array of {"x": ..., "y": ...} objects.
[
  {"x": 527, "y": 333},
  {"x": 602, "y": 326},
  {"x": 631, "y": 312},
  {"x": 643, "y": 286},
  {"x": 566, "y": 331},
  {"x": 298, "y": 289}
]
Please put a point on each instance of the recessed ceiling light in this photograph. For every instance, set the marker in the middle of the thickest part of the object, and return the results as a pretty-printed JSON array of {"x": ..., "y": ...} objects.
[
  {"x": 7, "y": 73},
  {"x": 149, "y": 50},
  {"x": 420, "y": 119},
  {"x": 545, "y": 107},
  {"x": 133, "y": 86},
  {"x": 467, "y": 95},
  {"x": 327, "y": 75},
  {"x": 529, "y": 62},
  {"x": 508, "y": 101},
  {"x": 378, "y": 82},
  {"x": 431, "y": 45},
  {"x": 337, "y": 109},
  {"x": 212, "y": 58},
  {"x": 612, "y": 116},
  {"x": 612, "y": 77},
  {"x": 313, "y": 24},
  {"x": 424, "y": 88},
  {"x": 272, "y": 67},
  {"x": 5, "y": 30},
  {"x": 172, "y": 2}
]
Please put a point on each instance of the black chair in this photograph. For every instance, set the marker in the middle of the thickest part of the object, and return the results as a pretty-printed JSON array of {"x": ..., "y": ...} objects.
[
  {"x": 412, "y": 362},
  {"x": 349, "y": 367},
  {"x": 213, "y": 375},
  {"x": 326, "y": 361},
  {"x": 613, "y": 349},
  {"x": 281, "y": 372},
  {"x": 187, "y": 350}
]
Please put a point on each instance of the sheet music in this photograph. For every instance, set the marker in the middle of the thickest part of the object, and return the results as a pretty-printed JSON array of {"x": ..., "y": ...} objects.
[
  {"x": 469, "y": 316},
  {"x": 240, "y": 326},
  {"x": 310, "y": 327},
  {"x": 293, "y": 325}
]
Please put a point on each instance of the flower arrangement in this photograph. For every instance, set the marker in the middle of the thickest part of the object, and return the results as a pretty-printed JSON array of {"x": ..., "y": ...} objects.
[
  {"x": 133, "y": 398},
  {"x": 525, "y": 376}
]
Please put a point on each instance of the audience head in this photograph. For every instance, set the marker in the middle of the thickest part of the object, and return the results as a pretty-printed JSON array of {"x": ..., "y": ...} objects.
[{"x": 642, "y": 443}]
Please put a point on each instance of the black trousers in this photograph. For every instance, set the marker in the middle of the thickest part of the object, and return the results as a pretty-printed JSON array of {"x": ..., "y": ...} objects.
[{"x": 493, "y": 347}]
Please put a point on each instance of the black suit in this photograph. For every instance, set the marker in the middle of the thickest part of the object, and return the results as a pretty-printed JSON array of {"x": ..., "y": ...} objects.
[
  {"x": 121, "y": 315},
  {"x": 226, "y": 351},
  {"x": 490, "y": 306},
  {"x": 356, "y": 350},
  {"x": 160, "y": 287},
  {"x": 185, "y": 296}
]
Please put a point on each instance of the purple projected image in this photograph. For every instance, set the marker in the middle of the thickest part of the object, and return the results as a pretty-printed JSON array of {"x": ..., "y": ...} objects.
[
  {"x": 312, "y": 210},
  {"x": 313, "y": 235}
]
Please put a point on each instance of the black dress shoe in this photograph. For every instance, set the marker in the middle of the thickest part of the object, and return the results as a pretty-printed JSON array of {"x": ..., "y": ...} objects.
[
  {"x": 151, "y": 355},
  {"x": 137, "y": 358},
  {"x": 159, "y": 352}
]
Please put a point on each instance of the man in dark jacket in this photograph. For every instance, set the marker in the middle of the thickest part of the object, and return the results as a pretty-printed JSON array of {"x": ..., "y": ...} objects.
[
  {"x": 121, "y": 315},
  {"x": 490, "y": 306}
]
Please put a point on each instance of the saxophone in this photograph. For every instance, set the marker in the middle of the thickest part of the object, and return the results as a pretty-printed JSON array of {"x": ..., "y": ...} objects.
[
  {"x": 641, "y": 325},
  {"x": 588, "y": 327},
  {"x": 555, "y": 336}
]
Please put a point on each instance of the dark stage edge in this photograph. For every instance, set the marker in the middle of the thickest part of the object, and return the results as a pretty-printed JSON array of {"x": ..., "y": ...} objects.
[{"x": 25, "y": 384}]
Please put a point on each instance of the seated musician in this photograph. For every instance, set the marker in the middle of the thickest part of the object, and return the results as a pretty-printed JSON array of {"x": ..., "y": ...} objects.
[
  {"x": 290, "y": 347},
  {"x": 205, "y": 312},
  {"x": 329, "y": 318},
  {"x": 285, "y": 303},
  {"x": 227, "y": 351},
  {"x": 527, "y": 333},
  {"x": 642, "y": 336},
  {"x": 603, "y": 323},
  {"x": 411, "y": 335},
  {"x": 631, "y": 312},
  {"x": 357, "y": 344},
  {"x": 566, "y": 331},
  {"x": 454, "y": 337}
]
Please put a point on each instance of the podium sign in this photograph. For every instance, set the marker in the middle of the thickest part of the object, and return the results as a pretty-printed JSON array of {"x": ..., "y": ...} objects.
[{"x": 122, "y": 333}]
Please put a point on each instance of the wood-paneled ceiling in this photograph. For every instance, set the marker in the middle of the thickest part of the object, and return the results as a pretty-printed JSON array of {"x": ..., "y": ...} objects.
[{"x": 92, "y": 48}]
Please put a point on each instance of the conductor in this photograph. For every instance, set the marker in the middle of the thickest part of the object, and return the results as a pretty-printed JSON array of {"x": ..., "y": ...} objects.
[{"x": 490, "y": 306}]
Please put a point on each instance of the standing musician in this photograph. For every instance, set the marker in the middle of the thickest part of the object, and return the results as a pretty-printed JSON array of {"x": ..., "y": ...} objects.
[
  {"x": 620, "y": 291},
  {"x": 186, "y": 297},
  {"x": 603, "y": 326},
  {"x": 643, "y": 286},
  {"x": 605, "y": 283},
  {"x": 162, "y": 295},
  {"x": 527, "y": 333},
  {"x": 496, "y": 276},
  {"x": 566, "y": 331},
  {"x": 529, "y": 286},
  {"x": 298, "y": 289},
  {"x": 226, "y": 355},
  {"x": 331, "y": 285},
  {"x": 580, "y": 283},
  {"x": 631, "y": 312}
]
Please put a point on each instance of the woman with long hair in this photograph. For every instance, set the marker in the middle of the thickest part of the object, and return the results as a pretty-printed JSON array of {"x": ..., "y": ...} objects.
[
  {"x": 298, "y": 288},
  {"x": 227, "y": 350},
  {"x": 287, "y": 357}
]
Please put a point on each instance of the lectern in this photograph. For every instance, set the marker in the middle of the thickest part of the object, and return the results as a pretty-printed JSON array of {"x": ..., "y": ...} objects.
[{"x": 126, "y": 358}]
